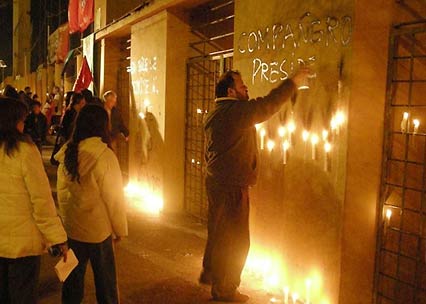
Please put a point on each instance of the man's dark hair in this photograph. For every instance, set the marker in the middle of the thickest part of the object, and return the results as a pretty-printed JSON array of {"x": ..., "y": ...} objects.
[
  {"x": 225, "y": 82},
  {"x": 88, "y": 95},
  {"x": 76, "y": 98},
  {"x": 35, "y": 103}
]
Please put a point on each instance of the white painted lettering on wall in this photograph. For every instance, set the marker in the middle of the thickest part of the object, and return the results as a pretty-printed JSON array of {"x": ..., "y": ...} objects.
[
  {"x": 144, "y": 76},
  {"x": 329, "y": 31}
]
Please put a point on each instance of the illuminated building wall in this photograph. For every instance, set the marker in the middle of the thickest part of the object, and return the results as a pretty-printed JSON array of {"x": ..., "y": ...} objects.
[
  {"x": 157, "y": 68},
  {"x": 298, "y": 201}
]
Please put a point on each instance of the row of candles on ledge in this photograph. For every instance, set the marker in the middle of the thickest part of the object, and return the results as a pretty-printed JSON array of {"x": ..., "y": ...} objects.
[
  {"x": 405, "y": 124},
  {"x": 286, "y": 139}
]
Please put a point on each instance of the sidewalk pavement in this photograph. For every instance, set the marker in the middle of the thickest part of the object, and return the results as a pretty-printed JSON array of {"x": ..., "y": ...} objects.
[{"x": 159, "y": 262}]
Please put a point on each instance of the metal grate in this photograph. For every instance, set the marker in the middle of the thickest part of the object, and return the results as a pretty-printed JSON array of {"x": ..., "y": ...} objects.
[
  {"x": 212, "y": 29},
  {"x": 400, "y": 263},
  {"x": 202, "y": 75}
]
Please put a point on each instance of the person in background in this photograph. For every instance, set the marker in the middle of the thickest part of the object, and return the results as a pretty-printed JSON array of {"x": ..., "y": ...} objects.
[
  {"x": 116, "y": 124},
  {"x": 77, "y": 102},
  {"x": 36, "y": 98},
  {"x": 28, "y": 92},
  {"x": 88, "y": 95},
  {"x": 28, "y": 217},
  {"x": 47, "y": 109},
  {"x": 10, "y": 91},
  {"x": 232, "y": 164},
  {"x": 91, "y": 203},
  {"x": 36, "y": 125}
]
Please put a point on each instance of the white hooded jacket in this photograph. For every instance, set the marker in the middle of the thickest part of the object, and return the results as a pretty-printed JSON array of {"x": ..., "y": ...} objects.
[
  {"x": 95, "y": 208},
  {"x": 28, "y": 218}
]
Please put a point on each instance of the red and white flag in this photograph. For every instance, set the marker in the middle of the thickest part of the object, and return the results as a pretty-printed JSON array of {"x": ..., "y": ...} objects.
[
  {"x": 80, "y": 15},
  {"x": 84, "y": 77}
]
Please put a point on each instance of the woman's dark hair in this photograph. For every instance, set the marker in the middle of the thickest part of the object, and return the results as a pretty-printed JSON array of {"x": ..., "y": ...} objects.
[
  {"x": 91, "y": 121},
  {"x": 76, "y": 99},
  {"x": 11, "y": 112},
  {"x": 225, "y": 82}
]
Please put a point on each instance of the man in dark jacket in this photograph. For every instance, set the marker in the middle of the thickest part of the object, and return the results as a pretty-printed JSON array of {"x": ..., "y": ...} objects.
[
  {"x": 116, "y": 124},
  {"x": 231, "y": 156},
  {"x": 36, "y": 125}
]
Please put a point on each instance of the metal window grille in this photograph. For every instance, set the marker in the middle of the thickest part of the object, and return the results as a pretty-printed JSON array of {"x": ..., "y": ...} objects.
[
  {"x": 400, "y": 263},
  {"x": 202, "y": 77}
]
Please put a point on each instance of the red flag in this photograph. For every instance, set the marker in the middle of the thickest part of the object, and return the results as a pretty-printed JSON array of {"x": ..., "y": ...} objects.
[
  {"x": 85, "y": 14},
  {"x": 73, "y": 16},
  {"x": 80, "y": 15},
  {"x": 84, "y": 77}
]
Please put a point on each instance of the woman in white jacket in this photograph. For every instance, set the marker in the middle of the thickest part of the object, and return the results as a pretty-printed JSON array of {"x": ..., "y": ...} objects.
[
  {"x": 28, "y": 218},
  {"x": 91, "y": 204}
]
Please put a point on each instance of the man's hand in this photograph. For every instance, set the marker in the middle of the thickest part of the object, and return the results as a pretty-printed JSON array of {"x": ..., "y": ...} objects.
[{"x": 301, "y": 76}]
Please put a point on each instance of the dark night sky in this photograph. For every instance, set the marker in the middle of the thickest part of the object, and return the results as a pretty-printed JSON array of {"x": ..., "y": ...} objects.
[{"x": 6, "y": 34}]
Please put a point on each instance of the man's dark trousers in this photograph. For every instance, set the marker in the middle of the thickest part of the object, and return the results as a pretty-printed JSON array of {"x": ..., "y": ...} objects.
[{"x": 228, "y": 239}]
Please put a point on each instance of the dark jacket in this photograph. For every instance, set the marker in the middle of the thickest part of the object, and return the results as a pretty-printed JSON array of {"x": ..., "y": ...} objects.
[
  {"x": 231, "y": 148},
  {"x": 36, "y": 127},
  {"x": 117, "y": 124}
]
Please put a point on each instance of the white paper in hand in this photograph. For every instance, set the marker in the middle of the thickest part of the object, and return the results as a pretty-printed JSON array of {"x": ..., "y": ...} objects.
[{"x": 63, "y": 269}]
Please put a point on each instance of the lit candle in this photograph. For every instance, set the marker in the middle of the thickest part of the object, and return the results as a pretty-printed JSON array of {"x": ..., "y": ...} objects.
[
  {"x": 404, "y": 122},
  {"x": 305, "y": 137},
  {"x": 262, "y": 139},
  {"x": 340, "y": 119},
  {"x": 142, "y": 115},
  {"x": 295, "y": 297},
  {"x": 146, "y": 104},
  {"x": 281, "y": 131},
  {"x": 327, "y": 149},
  {"x": 314, "y": 141},
  {"x": 308, "y": 284},
  {"x": 291, "y": 127},
  {"x": 286, "y": 294},
  {"x": 286, "y": 145},
  {"x": 270, "y": 145},
  {"x": 324, "y": 135},
  {"x": 416, "y": 124}
]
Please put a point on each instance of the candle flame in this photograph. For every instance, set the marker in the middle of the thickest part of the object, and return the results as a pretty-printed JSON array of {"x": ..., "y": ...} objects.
[
  {"x": 327, "y": 147},
  {"x": 305, "y": 135},
  {"x": 333, "y": 123},
  {"x": 405, "y": 115},
  {"x": 291, "y": 126},
  {"x": 262, "y": 132},
  {"x": 416, "y": 123},
  {"x": 324, "y": 135},
  {"x": 270, "y": 145},
  {"x": 281, "y": 131},
  {"x": 146, "y": 103},
  {"x": 142, "y": 115},
  {"x": 199, "y": 111},
  {"x": 340, "y": 118},
  {"x": 314, "y": 139},
  {"x": 286, "y": 145}
]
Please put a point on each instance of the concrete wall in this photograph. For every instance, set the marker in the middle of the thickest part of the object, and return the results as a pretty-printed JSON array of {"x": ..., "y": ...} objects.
[
  {"x": 158, "y": 54},
  {"x": 297, "y": 207}
]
